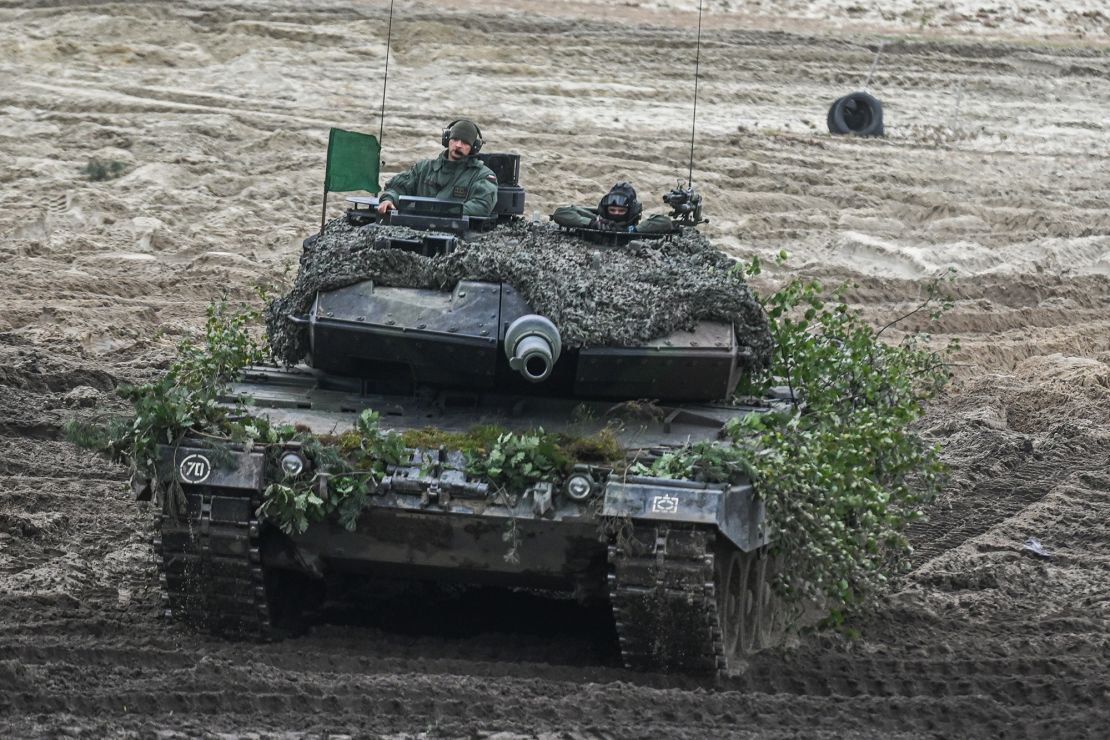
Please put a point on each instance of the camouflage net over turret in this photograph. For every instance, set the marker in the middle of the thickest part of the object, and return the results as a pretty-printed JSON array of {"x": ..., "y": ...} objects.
[{"x": 597, "y": 296}]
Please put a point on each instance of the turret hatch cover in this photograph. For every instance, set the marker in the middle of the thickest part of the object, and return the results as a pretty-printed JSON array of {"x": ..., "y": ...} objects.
[{"x": 471, "y": 309}]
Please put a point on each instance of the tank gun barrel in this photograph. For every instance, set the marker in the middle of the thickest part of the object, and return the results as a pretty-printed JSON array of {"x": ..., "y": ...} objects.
[{"x": 533, "y": 346}]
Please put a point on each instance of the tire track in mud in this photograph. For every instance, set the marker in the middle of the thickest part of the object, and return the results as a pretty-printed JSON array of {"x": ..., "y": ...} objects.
[
  {"x": 536, "y": 705},
  {"x": 1033, "y": 682},
  {"x": 253, "y": 685},
  {"x": 996, "y": 499}
]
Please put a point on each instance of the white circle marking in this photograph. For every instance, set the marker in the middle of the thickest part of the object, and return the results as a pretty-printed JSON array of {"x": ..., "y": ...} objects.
[{"x": 195, "y": 469}]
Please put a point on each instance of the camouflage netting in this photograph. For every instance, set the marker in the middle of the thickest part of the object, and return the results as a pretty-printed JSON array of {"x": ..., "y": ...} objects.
[{"x": 596, "y": 295}]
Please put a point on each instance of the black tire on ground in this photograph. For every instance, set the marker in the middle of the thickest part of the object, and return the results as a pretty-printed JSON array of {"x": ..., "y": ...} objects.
[
  {"x": 857, "y": 113},
  {"x": 829, "y": 118}
]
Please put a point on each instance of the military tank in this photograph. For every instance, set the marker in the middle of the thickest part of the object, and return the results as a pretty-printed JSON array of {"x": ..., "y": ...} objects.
[{"x": 435, "y": 320}]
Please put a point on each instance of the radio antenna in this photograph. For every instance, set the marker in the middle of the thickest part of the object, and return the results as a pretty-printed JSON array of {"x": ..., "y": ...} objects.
[
  {"x": 694, "y": 122},
  {"x": 685, "y": 202},
  {"x": 385, "y": 78}
]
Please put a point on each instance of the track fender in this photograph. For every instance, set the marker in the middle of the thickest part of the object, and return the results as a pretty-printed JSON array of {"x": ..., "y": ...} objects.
[
  {"x": 735, "y": 511},
  {"x": 196, "y": 466}
]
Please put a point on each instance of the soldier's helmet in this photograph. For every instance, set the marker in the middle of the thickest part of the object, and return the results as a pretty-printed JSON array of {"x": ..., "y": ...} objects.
[{"x": 624, "y": 195}]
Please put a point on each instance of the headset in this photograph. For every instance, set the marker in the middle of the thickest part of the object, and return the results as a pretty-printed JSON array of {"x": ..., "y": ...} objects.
[{"x": 475, "y": 146}]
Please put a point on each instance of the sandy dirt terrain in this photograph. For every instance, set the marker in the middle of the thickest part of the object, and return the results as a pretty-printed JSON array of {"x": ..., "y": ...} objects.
[{"x": 995, "y": 163}]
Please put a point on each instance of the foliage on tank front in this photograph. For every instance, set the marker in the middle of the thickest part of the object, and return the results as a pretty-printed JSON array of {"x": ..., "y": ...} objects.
[
  {"x": 710, "y": 462},
  {"x": 843, "y": 471},
  {"x": 346, "y": 468},
  {"x": 344, "y": 471}
]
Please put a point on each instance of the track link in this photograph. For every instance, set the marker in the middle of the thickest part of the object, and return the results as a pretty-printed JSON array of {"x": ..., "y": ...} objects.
[
  {"x": 661, "y": 584},
  {"x": 211, "y": 569}
]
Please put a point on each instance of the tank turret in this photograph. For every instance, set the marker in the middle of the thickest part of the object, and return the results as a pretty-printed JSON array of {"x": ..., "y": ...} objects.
[{"x": 483, "y": 335}]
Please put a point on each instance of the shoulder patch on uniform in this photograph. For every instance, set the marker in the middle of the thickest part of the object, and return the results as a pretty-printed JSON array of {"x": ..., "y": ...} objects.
[{"x": 492, "y": 178}]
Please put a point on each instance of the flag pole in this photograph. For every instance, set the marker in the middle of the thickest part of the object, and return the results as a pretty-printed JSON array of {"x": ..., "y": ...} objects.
[
  {"x": 327, "y": 176},
  {"x": 381, "y": 119}
]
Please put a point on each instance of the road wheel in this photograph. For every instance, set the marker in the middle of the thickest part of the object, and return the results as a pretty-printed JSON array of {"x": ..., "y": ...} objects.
[
  {"x": 772, "y": 623},
  {"x": 732, "y": 572},
  {"x": 752, "y": 599}
]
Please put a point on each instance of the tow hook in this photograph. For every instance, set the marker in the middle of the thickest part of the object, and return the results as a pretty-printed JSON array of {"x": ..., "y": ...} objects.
[{"x": 434, "y": 495}]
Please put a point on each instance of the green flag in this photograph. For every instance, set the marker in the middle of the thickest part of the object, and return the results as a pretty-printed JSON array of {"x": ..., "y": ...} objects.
[{"x": 352, "y": 162}]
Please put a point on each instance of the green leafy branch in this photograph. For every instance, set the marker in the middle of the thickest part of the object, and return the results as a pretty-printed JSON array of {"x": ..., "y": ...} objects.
[
  {"x": 842, "y": 472},
  {"x": 345, "y": 472},
  {"x": 520, "y": 460},
  {"x": 845, "y": 473},
  {"x": 186, "y": 399},
  {"x": 710, "y": 462}
]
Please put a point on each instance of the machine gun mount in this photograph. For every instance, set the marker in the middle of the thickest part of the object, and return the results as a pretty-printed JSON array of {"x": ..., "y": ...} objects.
[{"x": 685, "y": 203}]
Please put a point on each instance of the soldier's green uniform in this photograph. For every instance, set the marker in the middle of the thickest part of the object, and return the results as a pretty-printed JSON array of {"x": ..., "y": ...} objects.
[
  {"x": 580, "y": 217},
  {"x": 467, "y": 180}
]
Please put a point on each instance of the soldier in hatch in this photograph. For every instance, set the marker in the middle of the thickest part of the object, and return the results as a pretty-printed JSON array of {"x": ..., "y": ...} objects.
[
  {"x": 456, "y": 174},
  {"x": 619, "y": 210}
]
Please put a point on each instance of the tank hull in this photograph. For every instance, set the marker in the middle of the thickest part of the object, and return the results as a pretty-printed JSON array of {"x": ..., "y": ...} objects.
[{"x": 648, "y": 546}]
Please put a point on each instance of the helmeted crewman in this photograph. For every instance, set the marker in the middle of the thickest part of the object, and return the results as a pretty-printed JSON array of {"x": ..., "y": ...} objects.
[
  {"x": 618, "y": 210},
  {"x": 456, "y": 174}
]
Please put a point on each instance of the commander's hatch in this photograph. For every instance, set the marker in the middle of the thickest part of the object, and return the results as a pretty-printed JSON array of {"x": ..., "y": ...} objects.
[
  {"x": 440, "y": 222},
  {"x": 414, "y": 212},
  {"x": 429, "y": 214}
]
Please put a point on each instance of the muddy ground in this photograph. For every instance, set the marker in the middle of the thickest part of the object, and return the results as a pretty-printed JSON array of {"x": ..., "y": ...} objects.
[{"x": 994, "y": 163}]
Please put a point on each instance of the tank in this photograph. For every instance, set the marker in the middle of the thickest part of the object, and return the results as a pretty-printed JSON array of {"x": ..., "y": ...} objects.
[{"x": 435, "y": 325}]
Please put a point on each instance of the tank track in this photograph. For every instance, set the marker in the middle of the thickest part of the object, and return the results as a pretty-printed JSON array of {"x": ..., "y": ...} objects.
[
  {"x": 661, "y": 585},
  {"x": 211, "y": 569}
]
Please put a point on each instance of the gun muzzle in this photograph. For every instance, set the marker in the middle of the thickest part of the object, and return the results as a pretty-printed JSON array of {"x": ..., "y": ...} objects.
[{"x": 533, "y": 345}]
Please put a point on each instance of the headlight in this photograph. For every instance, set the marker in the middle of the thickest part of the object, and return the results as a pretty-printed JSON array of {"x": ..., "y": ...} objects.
[
  {"x": 293, "y": 464},
  {"x": 578, "y": 487}
]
